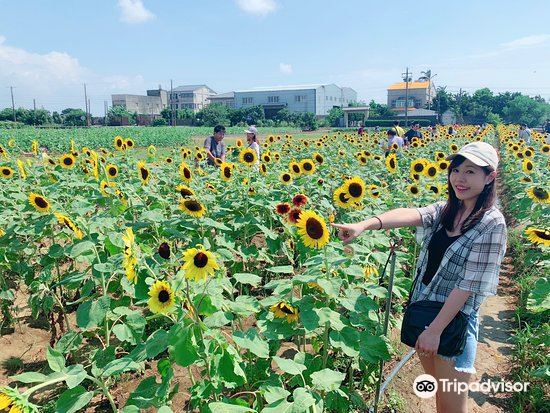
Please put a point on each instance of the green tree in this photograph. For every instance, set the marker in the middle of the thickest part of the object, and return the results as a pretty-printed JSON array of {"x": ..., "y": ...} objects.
[
  {"x": 56, "y": 118},
  {"x": 379, "y": 110},
  {"x": 443, "y": 100},
  {"x": 212, "y": 115},
  {"x": 334, "y": 117},
  {"x": 117, "y": 112},
  {"x": 73, "y": 117},
  {"x": 308, "y": 121},
  {"x": 159, "y": 122},
  {"x": 523, "y": 109}
]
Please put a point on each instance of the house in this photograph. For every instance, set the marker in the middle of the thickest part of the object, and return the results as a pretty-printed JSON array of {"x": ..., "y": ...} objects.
[
  {"x": 318, "y": 99},
  {"x": 419, "y": 93},
  {"x": 194, "y": 97},
  {"x": 140, "y": 104},
  {"x": 226, "y": 99}
]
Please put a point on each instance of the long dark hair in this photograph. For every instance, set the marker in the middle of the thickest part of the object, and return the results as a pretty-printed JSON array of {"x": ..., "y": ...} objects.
[{"x": 484, "y": 202}]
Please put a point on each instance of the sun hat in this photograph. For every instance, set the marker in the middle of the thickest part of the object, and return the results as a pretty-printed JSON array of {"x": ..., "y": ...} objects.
[
  {"x": 480, "y": 153},
  {"x": 251, "y": 129}
]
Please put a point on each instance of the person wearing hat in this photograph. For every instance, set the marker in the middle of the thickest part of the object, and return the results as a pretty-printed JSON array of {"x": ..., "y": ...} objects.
[
  {"x": 463, "y": 242},
  {"x": 252, "y": 139}
]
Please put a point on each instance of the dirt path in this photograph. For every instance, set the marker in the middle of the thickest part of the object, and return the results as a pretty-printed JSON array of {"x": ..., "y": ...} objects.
[{"x": 493, "y": 360}]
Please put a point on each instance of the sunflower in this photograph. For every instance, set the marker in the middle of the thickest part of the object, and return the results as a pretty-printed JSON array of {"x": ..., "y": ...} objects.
[
  {"x": 282, "y": 208},
  {"x": 66, "y": 221},
  {"x": 299, "y": 200},
  {"x": 226, "y": 171},
  {"x": 453, "y": 147},
  {"x": 185, "y": 191},
  {"x": 21, "y": 167},
  {"x": 529, "y": 152},
  {"x": 341, "y": 198},
  {"x": 545, "y": 149},
  {"x": 313, "y": 229},
  {"x": 294, "y": 215},
  {"x": 193, "y": 207},
  {"x": 130, "y": 261},
  {"x": 151, "y": 150},
  {"x": 433, "y": 188},
  {"x": 294, "y": 168},
  {"x": 354, "y": 188},
  {"x": 539, "y": 194},
  {"x": 413, "y": 189},
  {"x": 144, "y": 173},
  {"x": 239, "y": 143},
  {"x": 431, "y": 170},
  {"x": 285, "y": 178},
  {"x": 248, "y": 157},
  {"x": 370, "y": 271},
  {"x": 307, "y": 166},
  {"x": 527, "y": 166},
  {"x": 374, "y": 191},
  {"x": 317, "y": 157},
  {"x": 199, "y": 263},
  {"x": 263, "y": 169},
  {"x": 119, "y": 143},
  {"x": 40, "y": 203},
  {"x": 67, "y": 161},
  {"x": 443, "y": 165},
  {"x": 185, "y": 172},
  {"x": 266, "y": 157},
  {"x": 439, "y": 155},
  {"x": 112, "y": 171},
  {"x": 526, "y": 179},
  {"x": 538, "y": 236},
  {"x": 103, "y": 187},
  {"x": 286, "y": 311},
  {"x": 129, "y": 143},
  {"x": 6, "y": 172},
  {"x": 162, "y": 298}
]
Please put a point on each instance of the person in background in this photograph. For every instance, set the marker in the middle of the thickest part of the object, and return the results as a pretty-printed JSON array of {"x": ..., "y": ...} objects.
[
  {"x": 360, "y": 130},
  {"x": 214, "y": 145},
  {"x": 524, "y": 133},
  {"x": 413, "y": 132},
  {"x": 398, "y": 129},
  {"x": 392, "y": 139},
  {"x": 252, "y": 139},
  {"x": 451, "y": 131}
]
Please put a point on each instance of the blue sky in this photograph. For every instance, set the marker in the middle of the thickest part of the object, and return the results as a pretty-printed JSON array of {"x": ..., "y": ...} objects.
[{"x": 48, "y": 49}]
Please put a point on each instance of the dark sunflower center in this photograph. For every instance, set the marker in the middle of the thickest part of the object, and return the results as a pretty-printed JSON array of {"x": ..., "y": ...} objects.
[
  {"x": 529, "y": 166},
  {"x": 443, "y": 165},
  {"x": 434, "y": 189},
  {"x": 286, "y": 309},
  {"x": 67, "y": 161},
  {"x": 41, "y": 202},
  {"x": 418, "y": 167},
  {"x": 375, "y": 192},
  {"x": 432, "y": 171},
  {"x": 248, "y": 157},
  {"x": 540, "y": 193},
  {"x": 144, "y": 173},
  {"x": 392, "y": 163},
  {"x": 187, "y": 173},
  {"x": 414, "y": 190},
  {"x": 319, "y": 159},
  {"x": 355, "y": 190},
  {"x": 343, "y": 198},
  {"x": 112, "y": 171},
  {"x": 286, "y": 177},
  {"x": 314, "y": 228},
  {"x": 130, "y": 143},
  {"x": 185, "y": 192},
  {"x": 296, "y": 168},
  {"x": 308, "y": 166},
  {"x": 164, "y": 296},
  {"x": 200, "y": 260},
  {"x": 6, "y": 172},
  {"x": 545, "y": 235},
  {"x": 193, "y": 206},
  {"x": 118, "y": 143},
  {"x": 164, "y": 250},
  {"x": 227, "y": 172}
]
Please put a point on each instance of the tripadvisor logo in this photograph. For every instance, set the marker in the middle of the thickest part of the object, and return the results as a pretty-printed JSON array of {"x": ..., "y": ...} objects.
[{"x": 426, "y": 386}]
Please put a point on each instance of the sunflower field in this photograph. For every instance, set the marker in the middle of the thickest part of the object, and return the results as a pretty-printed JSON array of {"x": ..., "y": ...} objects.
[{"x": 161, "y": 267}]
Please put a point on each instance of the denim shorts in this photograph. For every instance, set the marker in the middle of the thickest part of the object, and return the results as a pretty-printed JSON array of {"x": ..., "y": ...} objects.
[{"x": 465, "y": 361}]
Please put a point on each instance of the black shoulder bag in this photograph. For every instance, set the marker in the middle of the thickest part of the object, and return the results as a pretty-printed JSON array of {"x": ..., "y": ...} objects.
[{"x": 420, "y": 314}]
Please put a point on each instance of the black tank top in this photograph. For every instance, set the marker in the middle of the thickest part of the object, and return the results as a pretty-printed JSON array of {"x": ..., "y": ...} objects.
[{"x": 439, "y": 243}]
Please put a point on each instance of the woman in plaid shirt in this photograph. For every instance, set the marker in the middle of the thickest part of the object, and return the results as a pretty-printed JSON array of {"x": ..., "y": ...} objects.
[{"x": 463, "y": 242}]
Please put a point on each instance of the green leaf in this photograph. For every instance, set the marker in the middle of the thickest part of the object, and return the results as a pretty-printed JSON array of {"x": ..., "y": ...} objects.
[
  {"x": 218, "y": 319},
  {"x": 56, "y": 361},
  {"x": 165, "y": 409},
  {"x": 373, "y": 348},
  {"x": 279, "y": 406},
  {"x": 252, "y": 341},
  {"x": 120, "y": 366},
  {"x": 82, "y": 248},
  {"x": 215, "y": 224},
  {"x": 283, "y": 269},
  {"x": 327, "y": 380},
  {"x": 347, "y": 339},
  {"x": 29, "y": 377},
  {"x": 275, "y": 393},
  {"x": 220, "y": 407},
  {"x": 75, "y": 375},
  {"x": 230, "y": 372},
  {"x": 72, "y": 400},
  {"x": 303, "y": 400},
  {"x": 289, "y": 366},
  {"x": 182, "y": 348},
  {"x": 332, "y": 317},
  {"x": 539, "y": 297},
  {"x": 247, "y": 278},
  {"x": 92, "y": 313}
]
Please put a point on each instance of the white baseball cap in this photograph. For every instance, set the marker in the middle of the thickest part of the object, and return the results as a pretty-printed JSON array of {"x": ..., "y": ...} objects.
[
  {"x": 252, "y": 129},
  {"x": 480, "y": 153}
]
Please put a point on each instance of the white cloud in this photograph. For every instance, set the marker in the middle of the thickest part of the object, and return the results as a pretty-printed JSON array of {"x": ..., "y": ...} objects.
[
  {"x": 526, "y": 41},
  {"x": 133, "y": 11},
  {"x": 260, "y": 8},
  {"x": 285, "y": 68},
  {"x": 55, "y": 79}
]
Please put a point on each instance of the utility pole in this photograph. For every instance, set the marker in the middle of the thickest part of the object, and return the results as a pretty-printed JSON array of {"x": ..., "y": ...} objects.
[
  {"x": 86, "y": 104},
  {"x": 88, "y": 123},
  {"x": 105, "y": 109},
  {"x": 406, "y": 74},
  {"x": 459, "y": 107},
  {"x": 34, "y": 112},
  {"x": 171, "y": 106},
  {"x": 13, "y": 104}
]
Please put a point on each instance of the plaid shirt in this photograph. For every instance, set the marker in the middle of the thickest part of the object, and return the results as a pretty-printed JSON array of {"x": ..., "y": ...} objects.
[{"x": 471, "y": 263}]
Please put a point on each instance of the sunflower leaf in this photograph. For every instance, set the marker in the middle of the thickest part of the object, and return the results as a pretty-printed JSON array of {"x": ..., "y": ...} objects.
[
  {"x": 248, "y": 278},
  {"x": 253, "y": 342}
]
